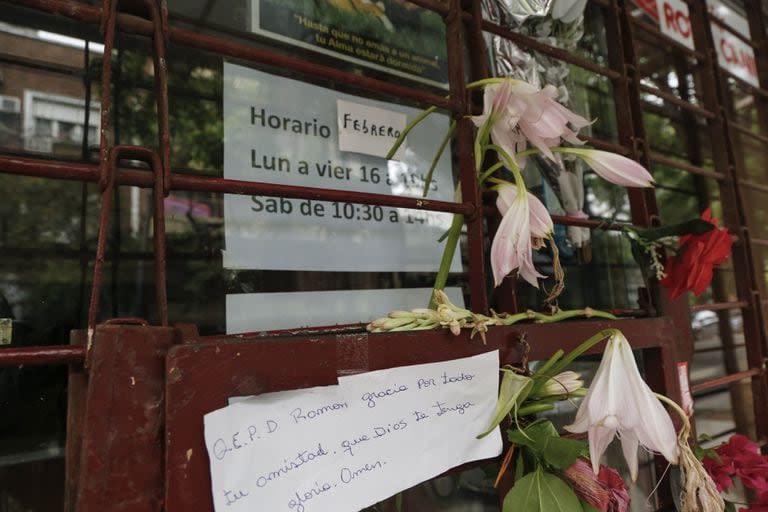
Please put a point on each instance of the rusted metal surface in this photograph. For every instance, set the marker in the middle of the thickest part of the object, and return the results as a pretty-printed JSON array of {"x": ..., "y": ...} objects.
[
  {"x": 77, "y": 387},
  {"x": 465, "y": 143},
  {"x": 44, "y": 355},
  {"x": 206, "y": 370},
  {"x": 203, "y": 373},
  {"x": 121, "y": 462},
  {"x": 107, "y": 183},
  {"x": 138, "y": 178}
]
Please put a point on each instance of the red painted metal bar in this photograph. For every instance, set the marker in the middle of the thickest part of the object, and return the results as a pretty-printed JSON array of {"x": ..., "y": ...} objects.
[
  {"x": 668, "y": 41},
  {"x": 674, "y": 100},
  {"x": 138, "y": 178},
  {"x": 40, "y": 356},
  {"x": 108, "y": 192},
  {"x": 677, "y": 164},
  {"x": 722, "y": 382},
  {"x": 720, "y": 306},
  {"x": 551, "y": 51},
  {"x": 753, "y": 185},
  {"x": 744, "y": 130},
  {"x": 92, "y": 14},
  {"x": 465, "y": 142}
]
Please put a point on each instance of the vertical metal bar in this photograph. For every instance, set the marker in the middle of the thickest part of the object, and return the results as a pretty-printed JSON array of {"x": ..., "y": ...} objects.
[{"x": 467, "y": 175}]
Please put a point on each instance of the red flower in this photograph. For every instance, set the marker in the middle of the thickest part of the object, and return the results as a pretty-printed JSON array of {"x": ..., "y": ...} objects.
[
  {"x": 740, "y": 457},
  {"x": 607, "y": 492},
  {"x": 692, "y": 270},
  {"x": 721, "y": 472},
  {"x": 612, "y": 482}
]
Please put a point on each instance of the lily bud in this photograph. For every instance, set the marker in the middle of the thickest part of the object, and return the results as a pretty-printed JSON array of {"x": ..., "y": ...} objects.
[{"x": 565, "y": 383}]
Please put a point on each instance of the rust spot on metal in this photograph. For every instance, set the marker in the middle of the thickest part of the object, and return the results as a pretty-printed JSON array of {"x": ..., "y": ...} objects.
[{"x": 174, "y": 374}]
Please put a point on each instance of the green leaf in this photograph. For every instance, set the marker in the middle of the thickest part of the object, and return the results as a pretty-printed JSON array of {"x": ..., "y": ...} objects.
[
  {"x": 561, "y": 453},
  {"x": 513, "y": 392},
  {"x": 541, "y": 492},
  {"x": 546, "y": 444},
  {"x": 586, "y": 507},
  {"x": 730, "y": 506}
]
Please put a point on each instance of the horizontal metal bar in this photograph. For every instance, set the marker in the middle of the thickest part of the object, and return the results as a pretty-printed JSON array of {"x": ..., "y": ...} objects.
[
  {"x": 89, "y": 172},
  {"x": 746, "y": 131},
  {"x": 92, "y": 14},
  {"x": 755, "y": 90},
  {"x": 753, "y": 185},
  {"x": 676, "y": 164},
  {"x": 724, "y": 381},
  {"x": 671, "y": 98},
  {"x": 668, "y": 41},
  {"x": 744, "y": 39},
  {"x": 44, "y": 355},
  {"x": 605, "y": 145},
  {"x": 588, "y": 223},
  {"x": 552, "y": 51},
  {"x": 717, "y": 349},
  {"x": 720, "y": 306}
]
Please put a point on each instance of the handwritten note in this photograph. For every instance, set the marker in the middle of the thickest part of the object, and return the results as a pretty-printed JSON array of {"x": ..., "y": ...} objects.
[
  {"x": 348, "y": 446},
  {"x": 369, "y": 130}
]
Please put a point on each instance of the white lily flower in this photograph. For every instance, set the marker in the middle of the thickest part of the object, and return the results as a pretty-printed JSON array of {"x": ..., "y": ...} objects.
[{"x": 620, "y": 402}]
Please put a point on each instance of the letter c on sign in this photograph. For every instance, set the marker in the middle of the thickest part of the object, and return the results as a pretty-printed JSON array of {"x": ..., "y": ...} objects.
[{"x": 683, "y": 24}]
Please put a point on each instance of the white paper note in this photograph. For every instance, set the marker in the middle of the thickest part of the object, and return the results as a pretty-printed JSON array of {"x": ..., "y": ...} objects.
[
  {"x": 351, "y": 445},
  {"x": 369, "y": 130}
]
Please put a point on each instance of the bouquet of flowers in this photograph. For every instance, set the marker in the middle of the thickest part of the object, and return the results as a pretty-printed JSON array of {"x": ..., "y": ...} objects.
[{"x": 552, "y": 472}]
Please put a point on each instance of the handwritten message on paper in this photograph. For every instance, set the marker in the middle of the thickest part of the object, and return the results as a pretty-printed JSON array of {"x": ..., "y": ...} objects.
[{"x": 348, "y": 446}]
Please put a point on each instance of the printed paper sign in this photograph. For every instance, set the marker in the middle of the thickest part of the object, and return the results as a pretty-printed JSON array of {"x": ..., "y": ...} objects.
[
  {"x": 369, "y": 130},
  {"x": 284, "y": 131},
  {"x": 675, "y": 21},
  {"x": 250, "y": 312},
  {"x": 395, "y": 36},
  {"x": 733, "y": 54},
  {"x": 351, "y": 445}
]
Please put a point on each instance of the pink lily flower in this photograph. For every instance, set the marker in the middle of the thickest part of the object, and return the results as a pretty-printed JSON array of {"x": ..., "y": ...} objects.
[
  {"x": 542, "y": 120},
  {"x": 511, "y": 248},
  {"x": 518, "y": 112},
  {"x": 620, "y": 402},
  {"x": 614, "y": 168},
  {"x": 540, "y": 220}
]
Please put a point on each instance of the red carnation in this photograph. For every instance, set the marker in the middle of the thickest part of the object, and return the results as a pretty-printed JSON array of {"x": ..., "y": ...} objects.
[{"x": 692, "y": 269}]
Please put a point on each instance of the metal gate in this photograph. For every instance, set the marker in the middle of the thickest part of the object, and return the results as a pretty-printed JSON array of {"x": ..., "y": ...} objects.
[{"x": 137, "y": 393}]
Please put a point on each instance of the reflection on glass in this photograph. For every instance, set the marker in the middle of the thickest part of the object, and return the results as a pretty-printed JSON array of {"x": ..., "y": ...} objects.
[{"x": 466, "y": 491}]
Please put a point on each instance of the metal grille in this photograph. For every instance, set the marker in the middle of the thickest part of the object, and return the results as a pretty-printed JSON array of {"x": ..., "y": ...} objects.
[{"x": 665, "y": 341}]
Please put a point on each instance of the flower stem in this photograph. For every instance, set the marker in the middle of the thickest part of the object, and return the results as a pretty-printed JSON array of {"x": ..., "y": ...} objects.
[
  {"x": 446, "y": 140},
  {"x": 679, "y": 410},
  {"x": 448, "y": 251},
  {"x": 583, "y": 347},
  {"x": 416, "y": 120}
]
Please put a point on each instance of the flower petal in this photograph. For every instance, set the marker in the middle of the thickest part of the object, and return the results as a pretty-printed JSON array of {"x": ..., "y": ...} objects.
[{"x": 614, "y": 168}]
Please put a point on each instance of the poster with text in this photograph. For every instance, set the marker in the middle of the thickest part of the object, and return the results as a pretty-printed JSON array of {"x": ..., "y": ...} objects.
[
  {"x": 288, "y": 132},
  {"x": 389, "y": 35}
]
